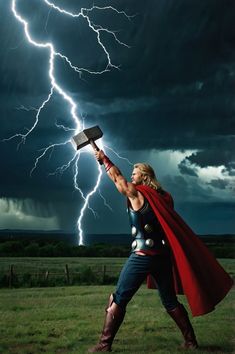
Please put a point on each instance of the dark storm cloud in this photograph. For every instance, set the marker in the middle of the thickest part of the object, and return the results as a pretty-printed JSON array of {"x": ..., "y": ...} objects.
[
  {"x": 178, "y": 75},
  {"x": 184, "y": 169},
  {"x": 184, "y": 190},
  {"x": 219, "y": 183},
  {"x": 187, "y": 70},
  {"x": 28, "y": 208},
  {"x": 174, "y": 90},
  {"x": 218, "y": 217},
  {"x": 216, "y": 156},
  {"x": 230, "y": 169}
]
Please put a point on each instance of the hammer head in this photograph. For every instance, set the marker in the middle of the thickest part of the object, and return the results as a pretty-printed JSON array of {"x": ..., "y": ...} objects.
[{"x": 86, "y": 136}]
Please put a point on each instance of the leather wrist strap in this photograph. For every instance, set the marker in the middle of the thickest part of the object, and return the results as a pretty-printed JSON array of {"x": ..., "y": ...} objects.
[{"x": 107, "y": 163}]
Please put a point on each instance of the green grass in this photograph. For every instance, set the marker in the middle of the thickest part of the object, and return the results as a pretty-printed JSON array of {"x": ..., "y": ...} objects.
[
  {"x": 69, "y": 320},
  {"x": 56, "y": 265},
  {"x": 31, "y": 271}
]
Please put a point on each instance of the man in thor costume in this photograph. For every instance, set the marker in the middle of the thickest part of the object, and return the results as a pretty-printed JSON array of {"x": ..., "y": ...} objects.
[{"x": 166, "y": 252}]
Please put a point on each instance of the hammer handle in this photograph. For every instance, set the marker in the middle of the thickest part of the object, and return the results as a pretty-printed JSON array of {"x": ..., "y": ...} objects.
[
  {"x": 95, "y": 147},
  {"x": 93, "y": 144}
]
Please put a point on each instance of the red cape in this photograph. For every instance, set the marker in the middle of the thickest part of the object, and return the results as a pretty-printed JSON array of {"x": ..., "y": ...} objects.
[{"x": 197, "y": 273}]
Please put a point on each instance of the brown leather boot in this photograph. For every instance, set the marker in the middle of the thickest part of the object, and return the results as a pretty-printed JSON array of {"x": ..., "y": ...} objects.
[
  {"x": 180, "y": 316},
  {"x": 112, "y": 322}
]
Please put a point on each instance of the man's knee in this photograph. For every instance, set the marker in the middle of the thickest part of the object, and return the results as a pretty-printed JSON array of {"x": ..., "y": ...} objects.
[
  {"x": 170, "y": 304},
  {"x": 120, "y": 300}
]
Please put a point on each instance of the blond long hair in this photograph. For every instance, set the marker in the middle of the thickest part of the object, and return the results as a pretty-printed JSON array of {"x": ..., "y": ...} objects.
[{"x": 149, "y": 175}]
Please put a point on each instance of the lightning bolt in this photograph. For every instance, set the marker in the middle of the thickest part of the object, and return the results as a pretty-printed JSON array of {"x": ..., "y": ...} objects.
[
  {"x": 27, "y": 109},
  {"x": 56, "y": 87},
  {"x": 119, "y": 156},
  {"x": 105, "y": 202}
]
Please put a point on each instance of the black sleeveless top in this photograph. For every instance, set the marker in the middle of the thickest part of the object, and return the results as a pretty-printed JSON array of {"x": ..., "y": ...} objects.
[{"x": 148, "y": 234}]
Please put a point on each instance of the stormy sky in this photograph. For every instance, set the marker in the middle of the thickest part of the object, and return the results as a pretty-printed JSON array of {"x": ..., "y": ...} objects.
[{"x": 169, "y": 102}]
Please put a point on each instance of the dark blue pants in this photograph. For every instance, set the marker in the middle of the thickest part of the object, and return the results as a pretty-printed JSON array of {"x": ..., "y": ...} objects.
[{"x": 135, "y": 272}]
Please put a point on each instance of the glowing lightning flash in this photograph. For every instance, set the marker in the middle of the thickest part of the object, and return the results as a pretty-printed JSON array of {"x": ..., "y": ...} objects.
[{"x": 97, "y": 29}]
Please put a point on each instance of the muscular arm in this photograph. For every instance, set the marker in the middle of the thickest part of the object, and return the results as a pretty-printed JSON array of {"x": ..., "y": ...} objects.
[
  {"x": 121, "y": 183},
  {"x": 124, "y": 187}
]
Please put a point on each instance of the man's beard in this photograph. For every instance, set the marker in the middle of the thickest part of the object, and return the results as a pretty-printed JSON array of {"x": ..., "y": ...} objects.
[{"x": 138, "y": 183}]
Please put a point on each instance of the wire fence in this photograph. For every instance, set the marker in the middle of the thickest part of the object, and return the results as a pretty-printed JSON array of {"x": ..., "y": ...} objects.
[{"x": 38, "y": 277}]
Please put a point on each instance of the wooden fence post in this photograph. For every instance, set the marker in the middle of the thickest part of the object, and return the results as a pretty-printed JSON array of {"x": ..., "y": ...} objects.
[
  {"x": 67, "y": 273},
  {"x": 46, "y": 275},
  {"x": 104, "y": 273},
  {"x": 11, "y": 275}
]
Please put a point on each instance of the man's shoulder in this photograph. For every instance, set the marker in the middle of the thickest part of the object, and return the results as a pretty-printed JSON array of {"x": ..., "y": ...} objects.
[
  {"x": 148, "y": 189},
  {"x": 156, "y": 194}
]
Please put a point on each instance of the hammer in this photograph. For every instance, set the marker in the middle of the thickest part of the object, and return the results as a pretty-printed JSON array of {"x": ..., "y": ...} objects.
[{"x": 87, "y": 136}]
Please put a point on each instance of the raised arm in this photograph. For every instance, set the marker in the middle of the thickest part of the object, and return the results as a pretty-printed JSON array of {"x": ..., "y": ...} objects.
[{"x": 124, "y": 187}]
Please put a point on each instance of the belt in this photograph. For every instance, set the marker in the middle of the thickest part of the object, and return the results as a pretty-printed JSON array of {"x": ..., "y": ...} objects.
[
  {"x": 141, "y": 244},
  {"x": 140, "y": 253}
]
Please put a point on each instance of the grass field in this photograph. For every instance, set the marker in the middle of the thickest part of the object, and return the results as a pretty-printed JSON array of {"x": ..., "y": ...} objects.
[
  {"x": 31, "y": 271},
  {"x": 38, "y": 266},
  {"x": 56, "y": 264},
  {"x": 69, "y": 319}
]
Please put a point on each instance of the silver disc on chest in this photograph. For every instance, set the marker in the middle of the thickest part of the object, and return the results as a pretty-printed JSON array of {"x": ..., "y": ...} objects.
[
  {"x": 149, "y": 242},
  {"x": 134, "y": 244},
  {"x": 148, "y": 228},
  {"x": 134, "y": 231}
]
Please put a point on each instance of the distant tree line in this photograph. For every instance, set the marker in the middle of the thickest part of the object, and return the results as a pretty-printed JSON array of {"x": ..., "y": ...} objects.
[{"x": 27, "y": 248}]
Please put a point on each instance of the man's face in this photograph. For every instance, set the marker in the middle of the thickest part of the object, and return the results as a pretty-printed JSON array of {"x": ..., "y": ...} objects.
[{"x": 136, "y": 177}]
